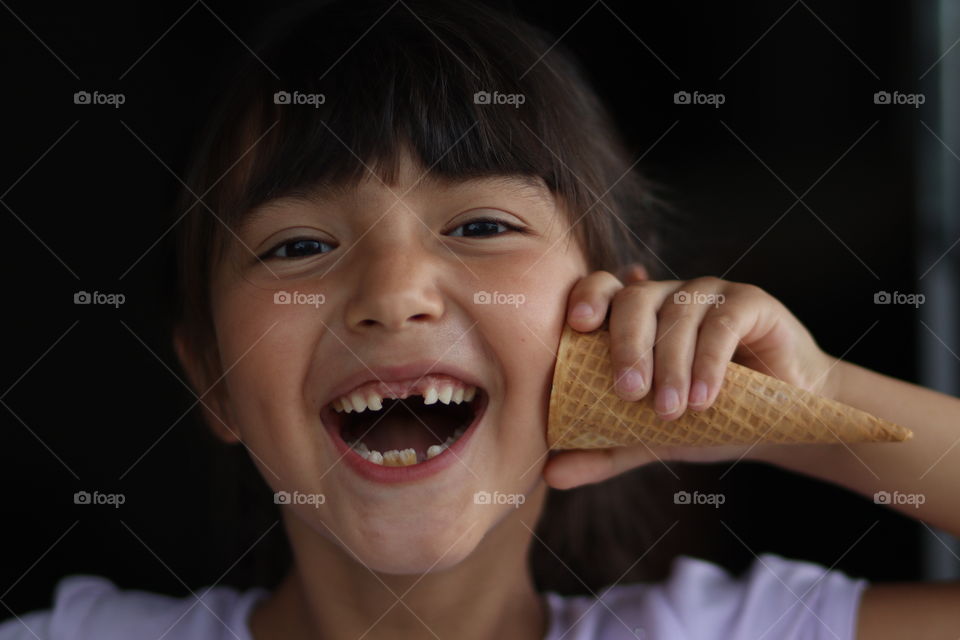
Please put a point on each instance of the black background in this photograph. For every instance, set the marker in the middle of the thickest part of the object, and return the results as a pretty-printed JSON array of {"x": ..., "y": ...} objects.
[{"x": 87, "y": 397}]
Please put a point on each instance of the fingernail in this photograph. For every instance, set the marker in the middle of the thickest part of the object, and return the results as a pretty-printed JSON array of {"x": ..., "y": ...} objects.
[
  {"x": 582, "y": 310},
  {"x": 631, "y": 380},
  {"x": 667, "y": 400},
  {"x": 698, "y": 392}
]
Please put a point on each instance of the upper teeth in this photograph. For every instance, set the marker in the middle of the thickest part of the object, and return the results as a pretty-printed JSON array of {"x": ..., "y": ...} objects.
[{"x": 371, "y": 399}]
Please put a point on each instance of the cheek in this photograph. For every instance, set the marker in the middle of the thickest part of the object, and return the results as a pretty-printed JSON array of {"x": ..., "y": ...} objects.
[
  {"x": 527, "y": 334},
  {"x": 266, "y": 350},
  {"x": 527, "y": 294}
]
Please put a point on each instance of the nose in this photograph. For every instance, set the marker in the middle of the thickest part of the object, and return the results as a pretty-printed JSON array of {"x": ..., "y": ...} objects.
[{"x": 396, "y": 288}]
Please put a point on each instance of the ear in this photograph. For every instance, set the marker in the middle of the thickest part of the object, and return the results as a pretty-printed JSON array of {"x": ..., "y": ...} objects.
[
  {"x": 634, "y": 272},
  {"x": 201, "y": 374}
]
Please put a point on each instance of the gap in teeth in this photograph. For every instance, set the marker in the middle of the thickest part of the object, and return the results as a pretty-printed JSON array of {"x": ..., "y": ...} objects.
[
  {"x": 403, "y": 457},
  {"x": 433, "y": 389}
]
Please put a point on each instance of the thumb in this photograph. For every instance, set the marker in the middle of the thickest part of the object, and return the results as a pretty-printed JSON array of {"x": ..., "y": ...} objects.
[{"x": 569, "y": 469}]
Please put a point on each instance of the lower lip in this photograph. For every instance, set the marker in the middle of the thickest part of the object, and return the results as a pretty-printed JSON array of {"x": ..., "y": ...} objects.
[{"x": 392, "y": 475}]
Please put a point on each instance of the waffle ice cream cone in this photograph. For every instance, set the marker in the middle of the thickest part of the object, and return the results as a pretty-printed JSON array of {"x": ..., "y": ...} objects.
[{"x": 586, "y": 413}]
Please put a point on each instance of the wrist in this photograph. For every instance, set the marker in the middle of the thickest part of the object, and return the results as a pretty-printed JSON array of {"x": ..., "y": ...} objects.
[{"x": 836, "y": 372}]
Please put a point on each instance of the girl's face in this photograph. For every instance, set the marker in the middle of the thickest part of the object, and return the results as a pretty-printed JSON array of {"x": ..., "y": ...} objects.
[{"x": 403, "y": 289}]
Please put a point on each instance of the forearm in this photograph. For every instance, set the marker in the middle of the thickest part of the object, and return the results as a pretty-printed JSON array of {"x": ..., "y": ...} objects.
[{"x": 926, "y": 466}]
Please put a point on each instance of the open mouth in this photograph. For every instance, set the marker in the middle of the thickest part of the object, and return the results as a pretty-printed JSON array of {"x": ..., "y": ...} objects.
[{"x": 399, "y": 424}]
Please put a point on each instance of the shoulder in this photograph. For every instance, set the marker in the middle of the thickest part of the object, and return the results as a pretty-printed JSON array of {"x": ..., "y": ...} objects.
[
  {"x": 87, "y": 606},
  {"x": 774, "y": 598}
]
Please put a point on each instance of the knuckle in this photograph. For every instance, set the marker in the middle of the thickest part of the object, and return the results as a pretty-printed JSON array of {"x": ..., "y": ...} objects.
[
  {"x": 626, "y": 352},
  {"x": 679, "y": 311},
  {"x": 671, "y": 363},
  {"x": 607, "y": 277},
  {"x": 750, "y": 290},
  {"x": 634, "y": 272},
  {"x": 666, "y": 376},
  {"x": 721, "y": 320},
  {"x": 596, "y": 279},
  {"x": 708, "y": 282},
  {"x": 709, "y": 361},
  {"x": 638, "y": 292}
]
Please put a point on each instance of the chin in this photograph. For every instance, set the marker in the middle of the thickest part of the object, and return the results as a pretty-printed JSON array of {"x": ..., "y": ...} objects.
[{"x": 419, "y": 549}]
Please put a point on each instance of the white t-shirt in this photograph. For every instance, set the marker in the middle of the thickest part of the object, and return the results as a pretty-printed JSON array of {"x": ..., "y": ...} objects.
[{"x": 775, "y": 599}]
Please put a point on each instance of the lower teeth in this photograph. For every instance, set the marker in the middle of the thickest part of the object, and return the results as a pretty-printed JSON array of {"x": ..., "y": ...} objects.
[{"x": 403, "y": 457}]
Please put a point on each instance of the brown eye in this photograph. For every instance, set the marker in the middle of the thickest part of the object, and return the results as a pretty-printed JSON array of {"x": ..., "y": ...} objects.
[
  {"x": 483, "y": 227},
  {"x": 298, "y": 248}
]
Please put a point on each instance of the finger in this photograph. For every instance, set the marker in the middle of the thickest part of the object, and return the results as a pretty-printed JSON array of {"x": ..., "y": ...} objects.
[
  {"x": 589, "y": 299},
  {"x": 633, "y": 326},
  {"x": 720, "y": 333},
  {"x": 677, "y": 327},
  {"x": 721, "y": 330},
  {"x": 569, "y": 469},
  {"x": 634, "y": 272}
]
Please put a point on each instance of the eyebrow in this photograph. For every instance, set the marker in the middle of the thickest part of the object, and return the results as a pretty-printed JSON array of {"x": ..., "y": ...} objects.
[{"x": 527, "y": 187}]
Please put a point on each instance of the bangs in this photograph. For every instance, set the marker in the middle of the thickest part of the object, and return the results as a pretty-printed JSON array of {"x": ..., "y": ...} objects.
[
  {"x": 345, "y": 92},
  {"x": 338, "y": 92}
]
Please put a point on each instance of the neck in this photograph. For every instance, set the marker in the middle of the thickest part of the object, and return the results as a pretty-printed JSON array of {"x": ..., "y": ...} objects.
[{"x": 328, "y": 594}]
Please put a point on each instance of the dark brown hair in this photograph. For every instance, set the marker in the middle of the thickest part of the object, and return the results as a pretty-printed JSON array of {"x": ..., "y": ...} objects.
[{"x": 412, "y": 76}]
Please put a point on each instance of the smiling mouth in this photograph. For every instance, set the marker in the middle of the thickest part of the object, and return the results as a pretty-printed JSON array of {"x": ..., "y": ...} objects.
[{"x": 403, "y": 427}]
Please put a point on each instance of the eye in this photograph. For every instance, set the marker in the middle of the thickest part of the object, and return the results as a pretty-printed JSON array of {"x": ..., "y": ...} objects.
[
  {"x": 484, "y": 227},
  {"x": 305, "y": 247},
  {"x": 298, "y": 248}
]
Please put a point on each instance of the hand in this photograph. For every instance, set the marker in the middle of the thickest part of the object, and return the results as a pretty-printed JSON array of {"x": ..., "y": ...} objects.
[{"x": 681, "y": 335}]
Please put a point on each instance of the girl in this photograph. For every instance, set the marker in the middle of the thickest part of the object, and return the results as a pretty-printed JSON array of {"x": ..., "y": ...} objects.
[{"x": 394, "y": 211}]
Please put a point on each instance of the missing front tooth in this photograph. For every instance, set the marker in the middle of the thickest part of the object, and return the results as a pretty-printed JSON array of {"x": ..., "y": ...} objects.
[{"x": 407, "y": 423}]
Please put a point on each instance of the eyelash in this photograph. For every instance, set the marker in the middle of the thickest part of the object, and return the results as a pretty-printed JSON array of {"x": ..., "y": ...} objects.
[{"x": 271, "y": 253}]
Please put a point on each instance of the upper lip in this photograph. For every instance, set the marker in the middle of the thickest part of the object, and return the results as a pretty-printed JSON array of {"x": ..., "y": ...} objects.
[{"x": 399, "y": 373}]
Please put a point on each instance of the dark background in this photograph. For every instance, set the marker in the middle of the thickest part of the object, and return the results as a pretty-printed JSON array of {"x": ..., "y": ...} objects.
[{"x": 86, "y": 397}]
